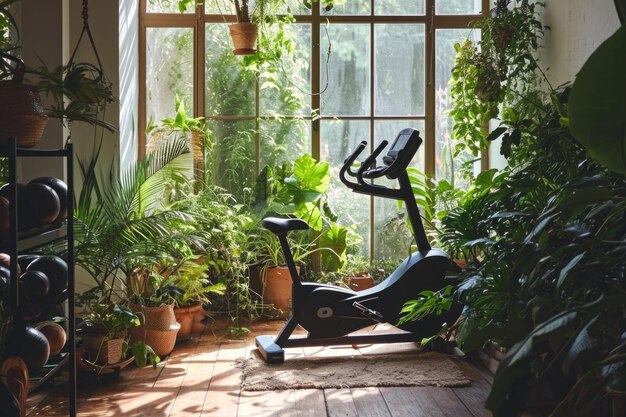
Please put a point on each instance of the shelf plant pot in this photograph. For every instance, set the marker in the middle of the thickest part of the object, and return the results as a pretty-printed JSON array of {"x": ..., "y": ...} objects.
[
  {"x": 21, "y": 113},
  {"x": 103, "y": 351},
  {"x": 185, "y": 317},
  {"x": 244, "y": 37},
  {"x": 158, "y": 329}
]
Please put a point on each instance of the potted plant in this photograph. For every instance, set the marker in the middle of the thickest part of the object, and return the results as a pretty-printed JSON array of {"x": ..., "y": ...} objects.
[
  {"x": 274, "y": 278},
  {"x": 249, "y": 14},
  {"x": 356, "y": 273},
  {"x": 104, "y": 332},
  {"x": 192, "y": 280},
  {"x": 153, "y": 299},
  {"x": 192, "y": 129}
]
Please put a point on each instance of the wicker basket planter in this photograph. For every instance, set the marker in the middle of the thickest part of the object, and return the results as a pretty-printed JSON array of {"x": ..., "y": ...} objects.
[
  {"x": 21, "y": 114},
  {"x": 158, "y": 329},
  {"x": 100, "y": 350}
]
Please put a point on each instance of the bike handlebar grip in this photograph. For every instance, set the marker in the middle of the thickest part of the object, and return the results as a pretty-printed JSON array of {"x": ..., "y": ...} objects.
[
  {"x": 347, "y": 164},
  {"x": 370, "y": 160}
]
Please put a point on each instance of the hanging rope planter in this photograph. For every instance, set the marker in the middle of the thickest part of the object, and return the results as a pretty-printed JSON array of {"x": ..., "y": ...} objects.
[{"x": 80, "y": 90}]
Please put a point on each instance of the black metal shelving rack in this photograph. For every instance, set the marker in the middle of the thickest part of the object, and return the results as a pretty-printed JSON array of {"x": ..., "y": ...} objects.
[{"x": 16, "y": 242}]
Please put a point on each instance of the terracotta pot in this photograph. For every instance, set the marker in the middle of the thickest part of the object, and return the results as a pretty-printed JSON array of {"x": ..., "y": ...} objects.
[
  {"x": 197, "y": 324},
  {"x": 158, "y": 329},
  {"x": 244, "y": 37},
  {"x": 360, "y": 282},
  {"x": 277, "y": 287},
  {"x": 185, "y": 317}
]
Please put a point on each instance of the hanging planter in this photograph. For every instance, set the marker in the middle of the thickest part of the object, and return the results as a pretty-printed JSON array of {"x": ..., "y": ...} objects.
[
  {"x": 21, "y": 113},
  {"x": 244, "y": 37}
]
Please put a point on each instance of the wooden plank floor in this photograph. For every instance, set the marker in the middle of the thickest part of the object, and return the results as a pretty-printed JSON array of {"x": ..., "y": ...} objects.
[{"x": 200, "y": 379}]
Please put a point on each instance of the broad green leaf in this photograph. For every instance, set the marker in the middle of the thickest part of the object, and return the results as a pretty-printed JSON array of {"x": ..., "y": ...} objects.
[
  {"x": 555, "y": 328},
  {"x": 311, "y": 175},
  {"x": 597, "y": 104},
  {"x": 567, "y": 269},
  {"x": 583, "y": 198},
  {"x": 335, "y": 239},
  {"x": 582, "y": 343}
]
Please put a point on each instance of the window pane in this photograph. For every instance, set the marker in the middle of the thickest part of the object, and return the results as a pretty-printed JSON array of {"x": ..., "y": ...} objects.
[
  {"x": 345, "y": 80},
  {"x": 227, "y": 7},
  {"x": 446, "y": 165},
  {"x": 399, "y": 76},
  {"x": 233, "y": 154},
  {"x": 350, "y": 7},
  {"x": 392, "y": 236},
  {"x": 221, "y": 7},
  {"x": 284, "y": 141},
  {"x": 399, "y": 7},
  {"x": 230, "y": 89},
  {"x": 169, "y": 71},
  {"x": 338, "y": 139},
  {"x": 458, "y": 7},
  {"x": 389, "y": 129},
  {"x": 166, "y": 6},
  {"x": 289, "y": 94}
]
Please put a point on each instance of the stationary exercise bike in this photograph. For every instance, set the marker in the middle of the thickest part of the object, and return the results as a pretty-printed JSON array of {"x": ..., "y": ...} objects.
[{"x": 329, "y": 313}]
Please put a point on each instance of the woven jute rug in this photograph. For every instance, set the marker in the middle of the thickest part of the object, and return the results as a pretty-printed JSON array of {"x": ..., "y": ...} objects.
[{"x": 391, "y": 370}]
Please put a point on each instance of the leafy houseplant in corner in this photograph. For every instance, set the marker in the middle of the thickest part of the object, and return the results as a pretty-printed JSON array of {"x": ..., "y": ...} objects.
[{"x": 356, "y": 273}]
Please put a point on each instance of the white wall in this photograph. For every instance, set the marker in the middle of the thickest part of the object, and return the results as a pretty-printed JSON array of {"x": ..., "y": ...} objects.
[
  {"x": 49, "y": 46},
  {"x": 578, "y": 27}
]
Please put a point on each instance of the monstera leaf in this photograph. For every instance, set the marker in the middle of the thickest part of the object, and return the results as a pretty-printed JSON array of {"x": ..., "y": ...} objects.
[{"x": 597, "y": 105}]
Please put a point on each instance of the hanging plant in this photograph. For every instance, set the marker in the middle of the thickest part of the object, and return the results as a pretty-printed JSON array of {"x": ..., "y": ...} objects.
[
  {"x": 495, "y": 73},
  {"x": 79, "y": 90}
]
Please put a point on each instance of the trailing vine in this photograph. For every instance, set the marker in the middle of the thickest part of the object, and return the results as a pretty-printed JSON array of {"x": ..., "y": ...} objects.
[{"x": 497, "y": 73}]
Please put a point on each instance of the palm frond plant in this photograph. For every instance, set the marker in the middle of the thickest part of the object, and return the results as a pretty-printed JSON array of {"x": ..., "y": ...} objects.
[{"x": 124, "y": 226}]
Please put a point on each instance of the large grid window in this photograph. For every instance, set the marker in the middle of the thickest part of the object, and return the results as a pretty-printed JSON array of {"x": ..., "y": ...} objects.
[{"x": 388, "y": 69}]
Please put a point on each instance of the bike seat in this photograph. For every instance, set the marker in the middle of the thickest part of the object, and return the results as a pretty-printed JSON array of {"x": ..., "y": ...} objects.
[{"x": 280, "y": 226}]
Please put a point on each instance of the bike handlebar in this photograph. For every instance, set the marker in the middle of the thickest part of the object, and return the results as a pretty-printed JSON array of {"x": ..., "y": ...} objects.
[
  {"x": 347, "y": 165},
  {"x": 365, "y": 167}
]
